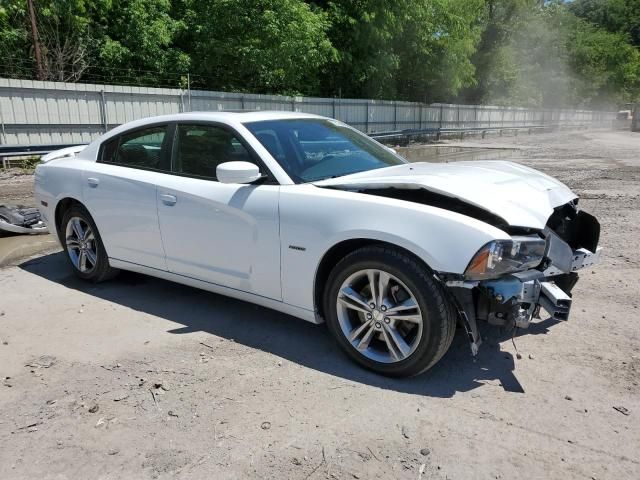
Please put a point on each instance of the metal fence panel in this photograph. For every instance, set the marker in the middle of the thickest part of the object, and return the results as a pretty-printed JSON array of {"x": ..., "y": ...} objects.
[{"x": 33, "y": 112}]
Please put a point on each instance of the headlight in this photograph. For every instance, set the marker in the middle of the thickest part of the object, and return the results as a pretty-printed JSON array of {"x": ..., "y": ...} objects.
[{"x": 505, "y": 256}]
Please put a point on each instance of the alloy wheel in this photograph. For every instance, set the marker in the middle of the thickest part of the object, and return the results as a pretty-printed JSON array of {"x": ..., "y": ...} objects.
[
  {"x": 81, "y": 245},
  {"x": 379, "y": 315}
]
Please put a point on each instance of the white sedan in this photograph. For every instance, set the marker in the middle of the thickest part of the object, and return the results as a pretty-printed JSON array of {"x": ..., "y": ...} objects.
[{"x": 306, "y": 215}]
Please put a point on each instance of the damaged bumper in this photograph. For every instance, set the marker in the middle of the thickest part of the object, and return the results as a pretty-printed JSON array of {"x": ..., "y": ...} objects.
[
  {"x": 515, "y": 300},
  {"x": 21, "y": 219}
]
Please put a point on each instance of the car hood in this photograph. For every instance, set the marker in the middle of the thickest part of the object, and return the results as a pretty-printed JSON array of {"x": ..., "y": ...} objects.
[{"x": 520, "y": 195}]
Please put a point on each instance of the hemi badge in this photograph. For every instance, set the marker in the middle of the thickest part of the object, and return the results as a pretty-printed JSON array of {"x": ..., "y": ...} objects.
[
  {"x": 295, "y": 247},
  {"x": 43, "y": 203}
]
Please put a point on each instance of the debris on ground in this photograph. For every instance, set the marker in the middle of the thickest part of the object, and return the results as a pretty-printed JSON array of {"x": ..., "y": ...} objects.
[
  {"x": 32, "y": 427},
  {"x": 622, "y": 410},
  {"x": 265, "y": 425},
  {"x": 21, "y": 219},
  {"x": 161, "y": 386},
  {"x": 44, "y": 361},
  {"x": 120, "y": 396}
]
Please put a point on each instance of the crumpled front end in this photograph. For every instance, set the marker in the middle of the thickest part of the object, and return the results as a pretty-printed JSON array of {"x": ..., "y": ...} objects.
[{"x": 514, "y": 299}]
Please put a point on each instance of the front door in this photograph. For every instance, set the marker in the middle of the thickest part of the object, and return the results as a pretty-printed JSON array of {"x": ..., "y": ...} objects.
[{"x": 227, "y": 234}]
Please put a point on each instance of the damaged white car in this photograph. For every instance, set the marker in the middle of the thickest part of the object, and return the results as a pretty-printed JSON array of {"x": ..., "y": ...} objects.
[{"x": 308, "y": 216}]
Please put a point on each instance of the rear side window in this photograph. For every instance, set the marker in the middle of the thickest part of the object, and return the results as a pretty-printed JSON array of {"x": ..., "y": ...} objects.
[
  {"x": 142, "y": 149},
  {"x": 199, "y": 149}
]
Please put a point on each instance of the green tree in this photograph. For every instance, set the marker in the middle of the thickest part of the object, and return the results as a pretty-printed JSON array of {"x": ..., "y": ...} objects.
[
  {"x": 14, "y": 40},
  {"x": 409, "y": 49},
  {"x": 135, "y": 42},
  {"x": 538, "y": 54},
  {"x": 616, "y": 16},
  {"x": 496, "y": 58},
  {"x": 262, "y": 46}
]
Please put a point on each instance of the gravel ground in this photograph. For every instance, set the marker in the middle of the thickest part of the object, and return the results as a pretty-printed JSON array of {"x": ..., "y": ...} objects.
[
  {"x": 16, "y": 187},
  {"x": 141, "y": 378}
]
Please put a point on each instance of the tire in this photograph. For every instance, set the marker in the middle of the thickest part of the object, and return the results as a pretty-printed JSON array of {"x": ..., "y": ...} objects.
[
  {"x": 427, "y": 330},
  {"x": 95, "y": 266}
]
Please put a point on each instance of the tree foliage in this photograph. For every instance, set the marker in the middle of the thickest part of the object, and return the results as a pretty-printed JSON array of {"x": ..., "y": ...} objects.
[
  {"x": 408, "y": 49},
  {"x": 553, "y": 54},
  {"x": 259, "y": 45},
  {"x": 526, "y": 52}
]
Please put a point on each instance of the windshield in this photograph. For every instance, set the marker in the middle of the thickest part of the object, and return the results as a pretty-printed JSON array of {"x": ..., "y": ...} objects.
[{"x": 314, "y": 149}]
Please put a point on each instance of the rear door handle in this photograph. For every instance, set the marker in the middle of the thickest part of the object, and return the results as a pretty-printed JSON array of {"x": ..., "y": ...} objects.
[
  {"x": 93, "y": 182},
  {"x": 169, "y": 200}
]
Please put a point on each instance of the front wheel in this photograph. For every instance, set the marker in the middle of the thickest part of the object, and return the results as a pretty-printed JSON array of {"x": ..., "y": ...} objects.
[
  {"x": 387, "y": 312},
  {"x": 83, "y": 246}
]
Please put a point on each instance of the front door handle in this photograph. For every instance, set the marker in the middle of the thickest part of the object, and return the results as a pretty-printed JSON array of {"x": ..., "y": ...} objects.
[
  {"x": 169, "y": 200},
  {"x": 93, "y": 182}
]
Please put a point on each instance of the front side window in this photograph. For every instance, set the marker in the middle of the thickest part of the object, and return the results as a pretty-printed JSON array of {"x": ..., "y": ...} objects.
[
  {"x": 315, "y": 149},
  {"x": 142, "y": 148},
  {"x": 199, "y": 149}
]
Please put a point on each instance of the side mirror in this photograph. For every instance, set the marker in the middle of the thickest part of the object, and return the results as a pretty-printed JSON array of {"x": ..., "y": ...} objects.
[{"x": 237, "y": 172}]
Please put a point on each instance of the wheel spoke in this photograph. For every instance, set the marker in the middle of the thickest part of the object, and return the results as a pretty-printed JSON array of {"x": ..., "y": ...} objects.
[
  {"x": 417, "y": 318},
  {"x": 353, "y": 300},
  {"x": 358, "y": 330},
  {"x": 396, "y": 344},
  {"x": 390, "y": 346},
  {"x": 91, "y": 255},
  {"x": 383, "y": 285},
  {"x": 366, "y": 339},
  {"x": 371, "y": 274},
  {"x": 82, "y": 261},
  {"x": 77, "y": 228},
  {"x": 88, "y": 235},
  {"x": 408, "y": 304},
  {"x": 72, "y": 243}
]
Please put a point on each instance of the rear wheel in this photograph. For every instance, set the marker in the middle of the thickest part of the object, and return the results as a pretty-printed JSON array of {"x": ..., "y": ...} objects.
[
  {"x": 83, "y": 246},
  {"x": 387, "y": 312}
]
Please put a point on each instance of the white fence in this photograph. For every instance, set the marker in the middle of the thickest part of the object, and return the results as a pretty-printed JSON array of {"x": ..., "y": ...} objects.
[{"x": 34, "y": 112}]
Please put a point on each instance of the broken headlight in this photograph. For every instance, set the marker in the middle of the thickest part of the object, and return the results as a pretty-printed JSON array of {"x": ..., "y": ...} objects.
[{"x": 505, "y": 256}]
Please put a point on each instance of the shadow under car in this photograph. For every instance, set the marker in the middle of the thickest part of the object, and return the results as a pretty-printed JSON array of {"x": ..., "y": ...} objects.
[{"x": 307, "y": 344}]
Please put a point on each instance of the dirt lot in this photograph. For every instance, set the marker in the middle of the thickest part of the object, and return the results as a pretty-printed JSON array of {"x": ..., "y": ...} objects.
[{"x": 141, "y": 378}]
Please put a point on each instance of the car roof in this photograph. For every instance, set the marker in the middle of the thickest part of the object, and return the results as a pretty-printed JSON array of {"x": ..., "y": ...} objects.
[
  {"x": 232, "y": 116},
  {"x": 228, "y": 117}
]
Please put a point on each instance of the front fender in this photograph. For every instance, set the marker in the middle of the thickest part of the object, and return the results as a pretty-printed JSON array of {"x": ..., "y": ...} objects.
[{"x": 315, "y": 219}]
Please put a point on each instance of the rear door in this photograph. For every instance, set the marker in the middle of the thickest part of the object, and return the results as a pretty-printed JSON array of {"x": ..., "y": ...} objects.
[
  {"x": 120, "y": 192},
  {"x": 227, "y": 234}
]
